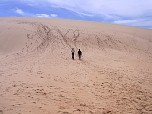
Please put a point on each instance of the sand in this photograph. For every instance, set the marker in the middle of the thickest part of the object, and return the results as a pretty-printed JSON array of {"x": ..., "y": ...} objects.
[{"x": 38, "y": 76}]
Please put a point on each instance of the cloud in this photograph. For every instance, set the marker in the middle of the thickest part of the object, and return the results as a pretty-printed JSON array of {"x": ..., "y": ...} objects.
[
  {"x": 127, "y": 8},
  {"x": 125, "y": 21},
  {"x": 42, "y": 15},
  {"x": 145, "y": 22},
  {"x": 45, "y": 15},
  {"x": 83, "y": 14},
  {"x": 20, "y": 11},
  {"x": 54, "y": 15},
  {"x": 131, "y": 12}
]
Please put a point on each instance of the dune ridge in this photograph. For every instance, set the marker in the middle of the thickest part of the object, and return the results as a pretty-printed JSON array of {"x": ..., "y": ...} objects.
[{"x": 37, "y": 74}]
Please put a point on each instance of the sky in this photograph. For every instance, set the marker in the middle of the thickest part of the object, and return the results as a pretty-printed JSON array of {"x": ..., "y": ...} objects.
[{"x": 126, "y": 12}]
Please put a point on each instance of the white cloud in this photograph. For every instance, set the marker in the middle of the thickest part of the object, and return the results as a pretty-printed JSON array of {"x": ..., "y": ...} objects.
[
  {"x": 127, "y": 8},
  {"x": 54, "y": 15},
  {"x": 129, "y": 12},
  {"x": 139, "y": 22},
  {"x": 46, "y": 15},
  {"x": 19, "y": 11},
  {"x": 42, "y": 15},
  {"x": 84, "y": 14},
  {"x": 125, "y": 21}
]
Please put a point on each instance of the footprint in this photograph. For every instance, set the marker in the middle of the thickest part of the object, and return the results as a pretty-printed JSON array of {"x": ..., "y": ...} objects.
[
  {"x": 1, "y": 112},
  {"x": 39, "y": 72},
  {"x": 65, "y": 113}
]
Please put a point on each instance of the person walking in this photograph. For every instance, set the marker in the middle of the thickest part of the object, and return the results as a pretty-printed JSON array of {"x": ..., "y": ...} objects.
[
  {"x": 73, "y": 53},
  {"x": 79, "y": 54}
]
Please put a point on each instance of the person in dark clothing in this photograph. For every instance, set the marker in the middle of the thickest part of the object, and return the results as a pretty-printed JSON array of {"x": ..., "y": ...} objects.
[
  {"x": 73, "y": 53},
  {"x": 79, "y": 54}
]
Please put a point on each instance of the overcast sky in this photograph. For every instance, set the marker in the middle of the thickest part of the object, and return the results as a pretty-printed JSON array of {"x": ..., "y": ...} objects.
[{"x": 127, "y": 12}]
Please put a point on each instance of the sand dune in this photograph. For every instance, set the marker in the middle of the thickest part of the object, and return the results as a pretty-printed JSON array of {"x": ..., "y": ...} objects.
[{"x": 38, "y": 76}]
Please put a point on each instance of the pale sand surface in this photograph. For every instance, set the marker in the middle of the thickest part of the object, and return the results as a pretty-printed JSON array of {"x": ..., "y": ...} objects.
[{"x": 38, "y": 76}]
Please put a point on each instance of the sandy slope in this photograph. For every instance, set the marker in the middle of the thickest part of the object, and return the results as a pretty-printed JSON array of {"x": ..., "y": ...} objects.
[{"x": 37, "y": 75}]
